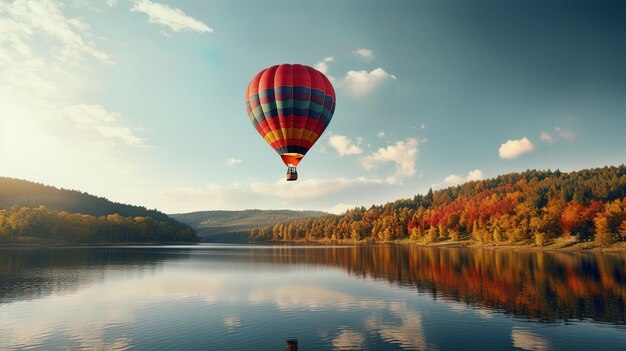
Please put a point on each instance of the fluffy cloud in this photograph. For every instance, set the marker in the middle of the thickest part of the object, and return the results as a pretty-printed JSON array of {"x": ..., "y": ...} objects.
[
  {"x": 331, "y": 194},
  {"x": 366, "y": 54},
  {"x": 45, "y": 59},
  {"x": 545, "y": 137},
  {"x": 111, "y": 3},
  {"x": 307, "y": 193},
  {"x": 381, "y": 134},
  {"x": 310, "y": 188},
  {"x": 560, "y": 133},
  {"x": 514, "y": 148},
  {"x": 344, "y": 145},
  {"x": 322, "y": 66},
  {"x": 403, "y": 154},
  {"x": 173, "y": 18},
  {"x": 361, "y": 83},
  {"x": 95, "y": 118},
  {"x": 454, "y": 179},
  {"x": 568, "y": 135},
  {"x": 233, "y": 161},
  {"x": 25, "y": 19},
  {"x": 475, "y": 174}
]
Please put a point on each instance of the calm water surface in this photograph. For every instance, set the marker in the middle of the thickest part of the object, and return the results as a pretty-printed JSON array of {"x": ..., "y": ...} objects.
[{"x": 229, "y": 297}]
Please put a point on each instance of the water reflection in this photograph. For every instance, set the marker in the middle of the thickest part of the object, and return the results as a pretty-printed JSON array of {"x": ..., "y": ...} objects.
[
  {"x": 398, "y": 298},
  {"x": 349, "y": 340},
  {"x": 527, "y": 340},
  {"x": 549, "y": 286},
  {"x": 407, "y": 332},
  {"x": 26, "y": 274}
]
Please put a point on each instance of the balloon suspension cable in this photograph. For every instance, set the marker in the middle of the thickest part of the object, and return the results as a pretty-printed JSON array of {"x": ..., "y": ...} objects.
[{"x": 292, "y": 174}]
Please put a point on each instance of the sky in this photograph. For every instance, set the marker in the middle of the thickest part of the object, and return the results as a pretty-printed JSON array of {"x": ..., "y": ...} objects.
[{"x": 142, "y": 102}]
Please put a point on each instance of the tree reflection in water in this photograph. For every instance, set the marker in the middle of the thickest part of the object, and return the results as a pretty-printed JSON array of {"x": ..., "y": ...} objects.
[{"x": 550, "y": 286}]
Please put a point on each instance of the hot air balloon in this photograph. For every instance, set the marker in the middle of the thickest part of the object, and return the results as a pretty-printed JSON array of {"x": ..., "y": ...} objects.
[{"x": 290, "y": 106}]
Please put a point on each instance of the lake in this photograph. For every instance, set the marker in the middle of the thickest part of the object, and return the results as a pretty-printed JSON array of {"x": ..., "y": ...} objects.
[{"x": 242, "y": 297}]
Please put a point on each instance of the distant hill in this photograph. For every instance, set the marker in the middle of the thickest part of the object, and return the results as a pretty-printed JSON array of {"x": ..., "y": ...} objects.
[
  {"x": 17, "y": 193},
  {"x": 235, "y": 225},
  {"x": 31, "y": 194}
]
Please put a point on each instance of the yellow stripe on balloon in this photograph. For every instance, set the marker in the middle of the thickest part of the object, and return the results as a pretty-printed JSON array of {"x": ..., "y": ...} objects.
[{"x": 306, "y": 134}]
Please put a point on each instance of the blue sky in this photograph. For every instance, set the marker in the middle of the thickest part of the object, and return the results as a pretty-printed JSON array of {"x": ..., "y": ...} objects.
[{"x": 143, "y": 101}]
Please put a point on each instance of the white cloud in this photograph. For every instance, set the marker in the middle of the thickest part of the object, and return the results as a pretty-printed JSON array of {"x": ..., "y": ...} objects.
[
  {"x": 475, "y": 174},
  {"x": 96, "y": 118},
  {"x": 561, "y": 133},
  {"x": 310, "y": 188},
  {"x": 366, "y": 54},
  {"x": 568, "y": 135},
  {"x": 380, "y": 134},
  {"x": 322, "y": 66},
  {"x": 45, "y": 64},
  {"x": 23, "y": 20},
  {"x": 173, "y": 18},
  {"x": 111, "y": 3},
  {"x": 233, "y": 161},
  {"x": 545, "y": 137},
  {"x": 453, "y": 179},
  {"x": 341, "y": 208},
  {"x": 403, "y": 153},
  {"x": 514, "y": 148},
  {"x": 423, "y": 126},
  {"x": 344, "y": 145},
  {"x": 304, "y": 194},
  {"x": 361, "y": 83}
]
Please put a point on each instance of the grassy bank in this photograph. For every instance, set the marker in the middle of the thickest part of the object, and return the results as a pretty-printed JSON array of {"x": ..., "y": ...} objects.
[{"x": 557, "y": 245}]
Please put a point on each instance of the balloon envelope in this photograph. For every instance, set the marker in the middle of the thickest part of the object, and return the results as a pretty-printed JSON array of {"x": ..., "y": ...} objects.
[{"x": 290, "y": 106}]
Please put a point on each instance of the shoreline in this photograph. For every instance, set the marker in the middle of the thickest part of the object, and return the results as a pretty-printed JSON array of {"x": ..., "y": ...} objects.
[
  {"x": 33, "y": 242},
  {"x": 564, "y": 246},
  {"x": 616, "y": 247}
]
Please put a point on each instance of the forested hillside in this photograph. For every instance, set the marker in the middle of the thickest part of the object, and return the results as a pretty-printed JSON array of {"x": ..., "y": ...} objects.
[
  {"x": 534, "y": 207},
  {"x": 235, "y": 225},
  {"x": 37, "y": 210}
]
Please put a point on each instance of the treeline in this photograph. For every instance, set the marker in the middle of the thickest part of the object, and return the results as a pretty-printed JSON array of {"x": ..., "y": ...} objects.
[
  {"x": 30, "y": 194},
  {"x": 530, "y": 207},
  {"x": 17, "y": 221}
]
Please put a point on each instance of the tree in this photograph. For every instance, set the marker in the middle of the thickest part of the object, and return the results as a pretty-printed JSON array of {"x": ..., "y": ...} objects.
[
  {"x": 432, "y": 234},
  {"x": 497, "y": 235},
  {"x": 602, "y": 235},
  {"x": 622, "y": 230}
]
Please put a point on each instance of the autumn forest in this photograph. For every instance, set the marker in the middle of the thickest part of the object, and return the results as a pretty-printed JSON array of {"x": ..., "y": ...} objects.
[{"x": 532, "y": 207}]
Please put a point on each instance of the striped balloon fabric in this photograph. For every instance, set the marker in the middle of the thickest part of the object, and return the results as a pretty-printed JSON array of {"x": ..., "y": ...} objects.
[{"x": 290, "y": 106}]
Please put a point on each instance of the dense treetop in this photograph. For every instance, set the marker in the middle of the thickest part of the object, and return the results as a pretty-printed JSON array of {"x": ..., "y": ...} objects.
[{"x": 532, "y": 207}]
